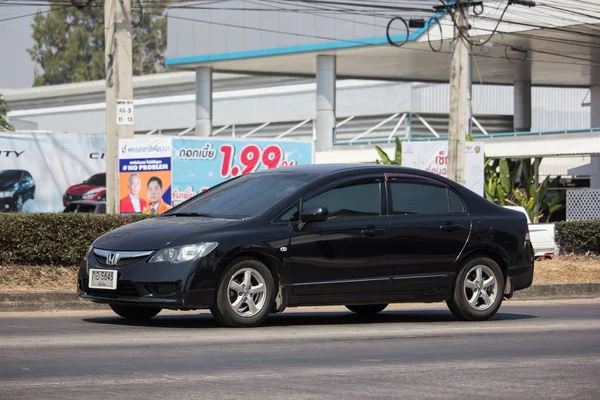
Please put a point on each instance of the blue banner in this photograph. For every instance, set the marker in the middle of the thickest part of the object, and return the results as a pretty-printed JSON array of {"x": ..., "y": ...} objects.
[
  {"x": 199, "y": 164},
  {"x": 144, "y": 165}
]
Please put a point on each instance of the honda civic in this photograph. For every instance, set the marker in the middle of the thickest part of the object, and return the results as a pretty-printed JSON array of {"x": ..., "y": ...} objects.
[{"x": 361, "y": 236}]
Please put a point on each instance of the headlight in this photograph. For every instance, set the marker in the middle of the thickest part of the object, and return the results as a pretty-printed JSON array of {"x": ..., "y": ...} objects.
[
  {"x": 184, "y": 253},
  {"x": 91, "y": 194},
  {"x": 85, "y": 258},
  {"x": 88, "y": 252},
  {"x": 7, "y": 194}
]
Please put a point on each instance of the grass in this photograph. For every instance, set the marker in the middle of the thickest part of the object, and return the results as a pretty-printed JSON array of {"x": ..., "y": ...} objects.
[{"x": 563, "y": 269}]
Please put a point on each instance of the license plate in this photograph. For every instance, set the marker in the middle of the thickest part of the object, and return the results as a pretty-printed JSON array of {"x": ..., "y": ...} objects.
[{"x": 103, "y": 279}]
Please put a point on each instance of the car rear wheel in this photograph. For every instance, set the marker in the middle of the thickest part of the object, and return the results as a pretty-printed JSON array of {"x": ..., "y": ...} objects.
[
  {"x": 135, "y": 313},
  {"x": 367, "y": 309},
  {"x": 245, "y": 294},
  {"x": 478, "y": 290}
]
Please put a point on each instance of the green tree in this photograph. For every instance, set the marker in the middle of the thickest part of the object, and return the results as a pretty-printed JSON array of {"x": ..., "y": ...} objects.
[
  {"x": 4, "y": 125},
  {"x": 500, "y": 177},
  {"x": 385, "y": 159},
  {"x": 536, "y": 200},
  {"x": 69, "y": 42}
]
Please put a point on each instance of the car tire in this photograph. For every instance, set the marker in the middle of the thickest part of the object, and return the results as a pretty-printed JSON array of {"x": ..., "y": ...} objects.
[
  {"x": 367, "y": 310},
  {"x": 236, "y": 304},
  {"x": 478, "y": 290},
  {"x": 135, "y": 313}
]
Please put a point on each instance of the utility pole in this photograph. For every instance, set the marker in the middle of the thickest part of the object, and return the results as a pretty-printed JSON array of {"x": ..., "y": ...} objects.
[
  {"x": 119, "y": 91},
  {"x": 459, "y": 93}
]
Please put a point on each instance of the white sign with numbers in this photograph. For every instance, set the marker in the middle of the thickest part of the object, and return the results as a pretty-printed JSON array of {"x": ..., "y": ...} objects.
[{"x": 124, "y": 112}]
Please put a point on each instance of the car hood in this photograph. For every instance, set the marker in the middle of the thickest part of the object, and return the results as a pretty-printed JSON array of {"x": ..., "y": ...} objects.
[
  {"x": 158, "y": 232},
  {"x": 7, "y": 184},
  {"x": 82, "y": 188}
]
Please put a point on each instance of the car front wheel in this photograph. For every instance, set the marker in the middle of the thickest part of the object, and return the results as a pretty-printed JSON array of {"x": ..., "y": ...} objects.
[
  {"x": 135, "y": 313},
  {"x": 478, "y": 290},
  {"x": 245, "y": 294}
]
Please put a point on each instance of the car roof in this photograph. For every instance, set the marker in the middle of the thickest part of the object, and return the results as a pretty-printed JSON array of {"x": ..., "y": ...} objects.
[{"x": 320, "y": 169}]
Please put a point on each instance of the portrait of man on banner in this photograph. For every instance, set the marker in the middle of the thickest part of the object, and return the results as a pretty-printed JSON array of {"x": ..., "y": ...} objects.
[
  {"x": 155, "y": 193},
  {"x": 133, "y": 203}
]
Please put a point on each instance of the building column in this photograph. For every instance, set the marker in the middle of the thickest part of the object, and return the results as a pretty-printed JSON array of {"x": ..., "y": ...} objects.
[
  {"x": 522, "y": 98},
  {"x": 595, "y": 123},
  {"x": 203, "y": 101},
  {"x": 325, "y": 124}
]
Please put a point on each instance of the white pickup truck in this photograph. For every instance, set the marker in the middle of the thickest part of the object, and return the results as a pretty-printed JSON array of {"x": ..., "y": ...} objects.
[{"x": 541, "y": 236}]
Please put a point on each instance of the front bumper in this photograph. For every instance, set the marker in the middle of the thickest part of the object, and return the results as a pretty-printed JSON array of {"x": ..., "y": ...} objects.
[
  {"x": 184, "y": 286},
  {"x": 7, "y": 204}
]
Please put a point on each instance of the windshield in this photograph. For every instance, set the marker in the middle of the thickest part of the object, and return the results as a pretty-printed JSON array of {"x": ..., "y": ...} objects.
[
  {"x": 97, "y": 180},
  {"x": 246, "y": 196},
  {"x": 10, "y": 174}
]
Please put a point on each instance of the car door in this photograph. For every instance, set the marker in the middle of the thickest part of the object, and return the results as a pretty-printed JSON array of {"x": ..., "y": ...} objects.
[
  {"x": 347, "y": 253},
  {"x": 429, "y": 228}
]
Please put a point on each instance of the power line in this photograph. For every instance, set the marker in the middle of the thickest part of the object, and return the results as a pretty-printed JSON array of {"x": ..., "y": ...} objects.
[
  {"x": 151, "y": 5},
  {"x": 32, "y": 14},
  {"x": 363, "y": 43}
]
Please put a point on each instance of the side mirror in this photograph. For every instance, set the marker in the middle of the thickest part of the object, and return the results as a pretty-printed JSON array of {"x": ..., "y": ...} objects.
[{"x": 315, "y": 214}]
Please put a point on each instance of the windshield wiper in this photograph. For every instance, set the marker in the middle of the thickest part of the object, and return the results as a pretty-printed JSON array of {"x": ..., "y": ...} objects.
[{"x": 189, "y": 214}]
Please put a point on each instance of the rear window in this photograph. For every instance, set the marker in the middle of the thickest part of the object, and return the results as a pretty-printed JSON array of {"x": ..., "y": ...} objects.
[{"x": 424, "y": 198}]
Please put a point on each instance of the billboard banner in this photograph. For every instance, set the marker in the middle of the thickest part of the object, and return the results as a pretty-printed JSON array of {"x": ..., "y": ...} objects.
[
  {"x": 41, "y": 172},
  {"x": 44, "y": 172},
  {"x": 199, "y": 164},
  {"x": 433, "y": 157},
  {"x": 145, "y": 175}
]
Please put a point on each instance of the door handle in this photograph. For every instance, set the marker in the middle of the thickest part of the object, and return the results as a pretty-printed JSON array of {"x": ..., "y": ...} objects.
[
  {"x": 372, "y": 232},
  {"x": 451, "y": 227}
]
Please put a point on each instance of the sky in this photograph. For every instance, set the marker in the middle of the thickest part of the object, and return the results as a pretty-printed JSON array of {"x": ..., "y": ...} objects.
[{"x": 16, "y": 67}]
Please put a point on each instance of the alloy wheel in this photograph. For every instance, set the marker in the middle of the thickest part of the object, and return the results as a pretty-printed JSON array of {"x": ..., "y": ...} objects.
[
  {"x": 480, "y": 287},
  {"x": 247, "y": 292}
]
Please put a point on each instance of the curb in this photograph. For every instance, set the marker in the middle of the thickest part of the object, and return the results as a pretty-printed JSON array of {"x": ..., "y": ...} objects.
[
  {"x": 47, "y": 301},
  {"x": 543, "y": 291}
]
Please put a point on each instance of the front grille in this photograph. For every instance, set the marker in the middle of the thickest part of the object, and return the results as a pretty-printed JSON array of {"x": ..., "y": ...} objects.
[
  {"x": 163, "y": 288},
  {"x": 74, "y": 197},
  {"x": 123, "y": 262},
  {"x": 124, "y": 289}
]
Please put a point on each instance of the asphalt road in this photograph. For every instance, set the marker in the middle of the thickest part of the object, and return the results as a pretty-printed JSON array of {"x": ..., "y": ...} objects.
[{"x": 530, "y": 350}]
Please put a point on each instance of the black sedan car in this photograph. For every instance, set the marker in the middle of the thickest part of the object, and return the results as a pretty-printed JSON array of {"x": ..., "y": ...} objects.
[{"x": 354, "y": 235}]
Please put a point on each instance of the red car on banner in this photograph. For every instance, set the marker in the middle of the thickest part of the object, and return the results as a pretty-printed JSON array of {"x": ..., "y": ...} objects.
[{"x": 93, "y": 188}]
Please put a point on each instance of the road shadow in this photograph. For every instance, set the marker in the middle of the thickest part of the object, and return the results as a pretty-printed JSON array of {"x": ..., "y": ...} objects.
[{"x": 299, "y": 318}]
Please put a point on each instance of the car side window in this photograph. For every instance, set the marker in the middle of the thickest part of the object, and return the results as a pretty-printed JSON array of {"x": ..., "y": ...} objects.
[
  {"x": 419, "y": 198},
  {"x": 291, "y": 215},
  {"x": 349, "y": 201},
  {"x": 456, "y": 203}
]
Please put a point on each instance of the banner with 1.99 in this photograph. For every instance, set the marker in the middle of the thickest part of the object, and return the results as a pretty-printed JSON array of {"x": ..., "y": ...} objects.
[{"x": 199, "y": 164}]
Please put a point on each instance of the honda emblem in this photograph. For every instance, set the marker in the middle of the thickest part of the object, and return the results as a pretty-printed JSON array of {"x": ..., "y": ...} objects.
[{"x": 112, "y": 258}]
